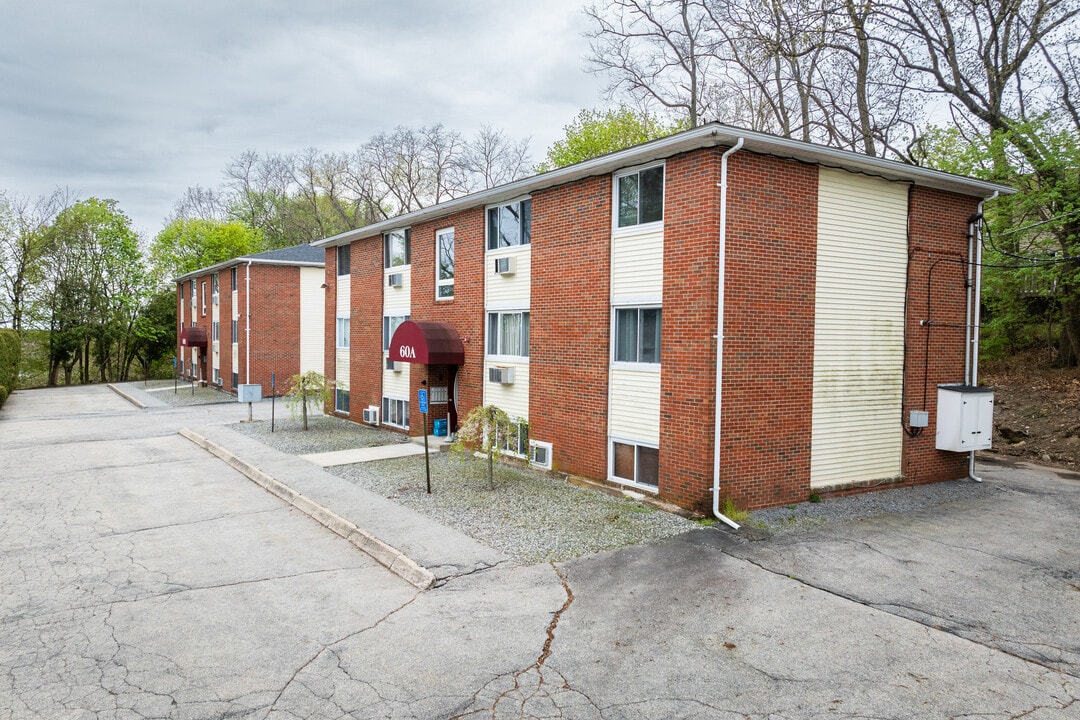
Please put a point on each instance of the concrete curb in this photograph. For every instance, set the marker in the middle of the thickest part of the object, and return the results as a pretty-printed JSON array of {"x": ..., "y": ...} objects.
[
  {"x": 392, "y": 558},
  {"x": 137, "y": 403}
]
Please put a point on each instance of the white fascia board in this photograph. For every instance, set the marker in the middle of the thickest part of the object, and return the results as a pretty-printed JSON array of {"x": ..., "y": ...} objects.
[
  {"x": 710, "y": 135},
  {"x": 243, "y": 261}
]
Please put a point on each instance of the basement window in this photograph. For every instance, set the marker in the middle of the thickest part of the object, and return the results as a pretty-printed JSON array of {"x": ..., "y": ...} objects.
[{"x": 635, "y": 463}]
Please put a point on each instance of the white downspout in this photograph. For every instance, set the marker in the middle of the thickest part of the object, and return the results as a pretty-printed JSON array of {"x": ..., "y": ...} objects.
[
  {"x": 247, "y": 325},
  {"x": 975, "y": 318},
  {"x": 720, "y": 335}
]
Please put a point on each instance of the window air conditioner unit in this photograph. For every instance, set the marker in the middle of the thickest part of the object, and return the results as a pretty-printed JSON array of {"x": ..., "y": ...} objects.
[
  {"x": 540, "y": 454},
  {"x": 505, "y": 265},
  {"x": 371, "y": 415},
  {"x": 217, "y": 298},
  {"x": 393, "y": 280},
  {"x": 501, "y": 375},
  {"x": 393, "y": 365}
]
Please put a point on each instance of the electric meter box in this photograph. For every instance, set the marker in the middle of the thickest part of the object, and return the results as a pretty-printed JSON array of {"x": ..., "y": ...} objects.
[
  {"x": 965, "y": 418},
  {"x": 249, "y": 393}
]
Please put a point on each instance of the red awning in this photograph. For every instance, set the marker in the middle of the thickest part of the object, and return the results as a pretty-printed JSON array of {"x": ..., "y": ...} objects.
[
  {"x": 427, "y": 343},
  {"x": 193, "y": 337}
]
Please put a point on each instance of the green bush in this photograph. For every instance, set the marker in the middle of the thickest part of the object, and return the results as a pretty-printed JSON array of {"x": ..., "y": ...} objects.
[
  {"x": 10, "y": 350},
  {"x": 3, "y": 395}
]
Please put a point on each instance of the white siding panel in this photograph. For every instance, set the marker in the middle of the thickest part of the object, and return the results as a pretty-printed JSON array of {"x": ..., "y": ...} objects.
[
  {"x": 515, "y": 290},
  {"x": 634, "y": 399},
  {"x": 396, "y": 384},
  {"x": 312, "y": 319},
  {"x": 859, "y": 328},
  {"x": 637, "y": 265},
  {"x": 236, "y": 358},
  {"x": 341, "y": 368},
  {"x": 512, "y": 399},
  {"x": 398, "y": 300},
  {"x": 343, "y": 301}
]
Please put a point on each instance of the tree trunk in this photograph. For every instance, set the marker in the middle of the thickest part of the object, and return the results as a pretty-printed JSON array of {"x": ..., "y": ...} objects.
[{"x": 303, "y": 402}]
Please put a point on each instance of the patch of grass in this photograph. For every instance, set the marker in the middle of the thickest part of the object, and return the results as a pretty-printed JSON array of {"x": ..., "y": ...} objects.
[
  {"x": 815, "y": 498},
  {"x": 739, "y": 516}
]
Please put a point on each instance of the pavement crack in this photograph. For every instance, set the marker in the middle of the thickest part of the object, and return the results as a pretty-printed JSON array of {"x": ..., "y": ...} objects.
[{"x": 187, "y": 523}]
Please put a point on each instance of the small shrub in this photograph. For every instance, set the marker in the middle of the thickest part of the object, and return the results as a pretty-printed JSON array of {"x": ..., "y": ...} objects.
[
  {"x": 10, "y": 352},
  {"x": 734, "y": 513},
  {"x": 815, "y": 498},
  {"x": 308, "y": 389},
  {"x": 3, "y": 395}
]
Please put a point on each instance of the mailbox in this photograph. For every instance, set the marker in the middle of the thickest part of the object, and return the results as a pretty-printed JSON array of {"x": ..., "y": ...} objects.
[{"x": 249, "y": 393}]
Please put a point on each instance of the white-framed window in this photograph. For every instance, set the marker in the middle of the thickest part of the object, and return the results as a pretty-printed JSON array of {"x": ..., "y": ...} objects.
[
  {"x": 203, "y": 288},
  {"x": 639, "y": 196},
  {"x": 341, "y": 400},
  {"x": 235, "y": 379},
  {"x": 444, "y": 264},
  {"x": 509, "y": 225},
  {"x": 234, "y": 279},
  {"x": 637, "y": 335},
  {"x": 343, "y": 259},
  {"x": 217, "y": 376},
  {"x": 635, "y": 463},
  {"x": 395, "y": 412},
  {"x": 508, "y": 334},
  {"x": 396, "y": 248},
  {"x": 515, "y": 440},
  {"x": 193, "y": 304},
  {"x": 216, "y": 290},
  {"x": 390, "y": 324},
  {"x": 235, "y": 330},
  {"x": 215, "y": 330},
  {"x": 343, "y": 324}
]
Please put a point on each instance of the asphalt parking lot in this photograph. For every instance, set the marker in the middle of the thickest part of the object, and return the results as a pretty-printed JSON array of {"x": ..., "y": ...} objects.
[{"x": 144, "y": 577}]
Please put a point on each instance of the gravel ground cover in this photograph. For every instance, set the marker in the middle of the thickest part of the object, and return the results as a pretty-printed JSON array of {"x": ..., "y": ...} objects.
[
  {"x": 530, "y": 516},
  {"x": 807, "y": 516},
  {"x": 324, "y": 434},
  {"x": 163, "y": 390}
]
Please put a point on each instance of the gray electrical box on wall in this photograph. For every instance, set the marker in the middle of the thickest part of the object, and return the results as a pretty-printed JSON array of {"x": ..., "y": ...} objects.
[{"x": 965, "y": 418}]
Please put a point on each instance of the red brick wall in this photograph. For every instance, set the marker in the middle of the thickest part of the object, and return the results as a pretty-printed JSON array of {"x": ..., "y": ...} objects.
[
  {"x": 275, "y": 326},
  {"x": 938, "y": 239},
  {"x": 769, "y": 334},
  {"x": 569, "y": 324},
  {"x": 366, "y": 298},
  {"x": 465, "y": 312}
]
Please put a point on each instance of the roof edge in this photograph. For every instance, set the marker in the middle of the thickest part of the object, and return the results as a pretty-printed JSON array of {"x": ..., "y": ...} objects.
[{"x": 244, "y": 261}]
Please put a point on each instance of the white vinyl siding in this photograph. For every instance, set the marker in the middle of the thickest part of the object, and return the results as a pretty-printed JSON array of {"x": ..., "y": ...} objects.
[
  {"x": 215, "y": 331},
  {"x": 513, "y": 289},
  {"x": 342, "y": 305},
  {"x": 240, "y": 329},
  {"x": 859, "y": 329},
  {"x": 312, "y": 317},
  {"x": 634, "y": 404},
  {"x": 512, "y": 399},
  {"x": 637, "y": 265},
  {"x": 396, "y": 384},
  {"x": 397, "y": 300}
]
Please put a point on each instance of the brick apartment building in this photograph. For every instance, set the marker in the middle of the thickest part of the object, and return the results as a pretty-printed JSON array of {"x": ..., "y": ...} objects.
[
  {"x": 586, "y": 301},
  {"x": 252, "y": 317}
]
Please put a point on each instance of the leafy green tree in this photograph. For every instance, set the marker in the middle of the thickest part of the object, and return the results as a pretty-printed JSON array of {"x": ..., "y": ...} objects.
[
  {"x": 597, "y": 132},
  {"x": 488, "y": 429},
  {"x": 310, "y": 388},
  {"x": 185, "y": 245},
  {"x": 154, "y": 330}
]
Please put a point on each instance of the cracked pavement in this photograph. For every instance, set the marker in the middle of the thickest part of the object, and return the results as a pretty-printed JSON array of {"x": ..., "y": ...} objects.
[{"x": 141, "y": 577}]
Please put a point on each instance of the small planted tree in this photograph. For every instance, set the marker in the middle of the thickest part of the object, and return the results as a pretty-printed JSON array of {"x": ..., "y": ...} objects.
[
  {"x": 487, "y": 429},
  {"x": 307, "y": 388}
]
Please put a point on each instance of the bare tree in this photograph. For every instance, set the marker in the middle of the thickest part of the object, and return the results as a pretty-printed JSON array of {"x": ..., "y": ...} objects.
[
  {"x": 23, "y": 248},
  {"x": 494, "y": 159}
]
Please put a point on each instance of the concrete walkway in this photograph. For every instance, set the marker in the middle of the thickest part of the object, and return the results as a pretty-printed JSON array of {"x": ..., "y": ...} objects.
[{"x": 361, "y": 455}]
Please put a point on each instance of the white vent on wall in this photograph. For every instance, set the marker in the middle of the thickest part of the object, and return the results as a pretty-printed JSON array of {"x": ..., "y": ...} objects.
[
  {"x": 438, "y": 395},
  {"x": 393, "y": 279},
  {"x": 393, "y": 365},
  {"x": 540, "y": 454},
  {"x": 505, "y": 265},
  {"x": 501, "y": 375},
  {"x": 371, "y": 415}
]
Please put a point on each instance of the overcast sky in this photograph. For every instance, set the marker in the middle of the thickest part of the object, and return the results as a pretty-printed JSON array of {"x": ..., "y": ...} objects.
[{"x": 137, "y": 100}]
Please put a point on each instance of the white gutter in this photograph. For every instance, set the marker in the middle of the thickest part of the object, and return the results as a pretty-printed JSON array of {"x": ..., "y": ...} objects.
[
  {"x": 720, "y": 335},
  {"x": 247, "y": 326},
  {"x": 974, "y": 316}
]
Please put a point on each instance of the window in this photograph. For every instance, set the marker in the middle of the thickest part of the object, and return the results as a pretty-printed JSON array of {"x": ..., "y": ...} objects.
[
  {"x": 217, "y": 376},
  {"x": 193, "y": 296},
  {"x": 395, "y": 412},
  {"x": 203, "y": 287},
  {"x": 509, "y": 225},
  {"x": 234, "y": 279},
  {"x": 515, "y": 441},
  {"x": 390, "y": 324},
  {"x": 343, "y": 260},
  {"x": 216, "y": 290},
  {"x": 639, "y": 196},
  {"x": 396, "y": 248},
  {"x": 444, "y": 263},
  {"x": 235, "y": 379},
  {"x": 235, "y": 330},
  {"x": 343, "y": 332},
  {"x": 341, "y": 400},
  {"x": 508, "y": 333},
  {"x": 635, "y": 463},
  {"x": 637, "y": 335},
  {"x": 215, "y": 329}
]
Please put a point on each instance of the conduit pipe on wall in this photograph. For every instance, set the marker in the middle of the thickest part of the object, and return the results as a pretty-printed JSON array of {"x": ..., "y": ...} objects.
[
  {"x": 247, "y": 325},
  {"x": 720, "y": 334},
  {"x": 971, "y": 372}
]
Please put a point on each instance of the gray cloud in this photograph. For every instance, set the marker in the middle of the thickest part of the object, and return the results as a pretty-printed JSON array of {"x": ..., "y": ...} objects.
[{"x": 138, "y": 100}]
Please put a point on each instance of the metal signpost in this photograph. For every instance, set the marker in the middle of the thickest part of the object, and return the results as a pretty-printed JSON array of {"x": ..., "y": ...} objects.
[
  {"x": 272, "y": 394},
  {"x": 427, "y": 460},
  {"x": 174, "y": 375}
]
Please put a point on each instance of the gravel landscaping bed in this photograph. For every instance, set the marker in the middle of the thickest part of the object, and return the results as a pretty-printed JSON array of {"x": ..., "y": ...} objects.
[
  {"x": 530, "y": 516},
  {"x": 163, "y": 391},
  {"x": 324, "y": 434},
  {"x": 806, "y": 516}
]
